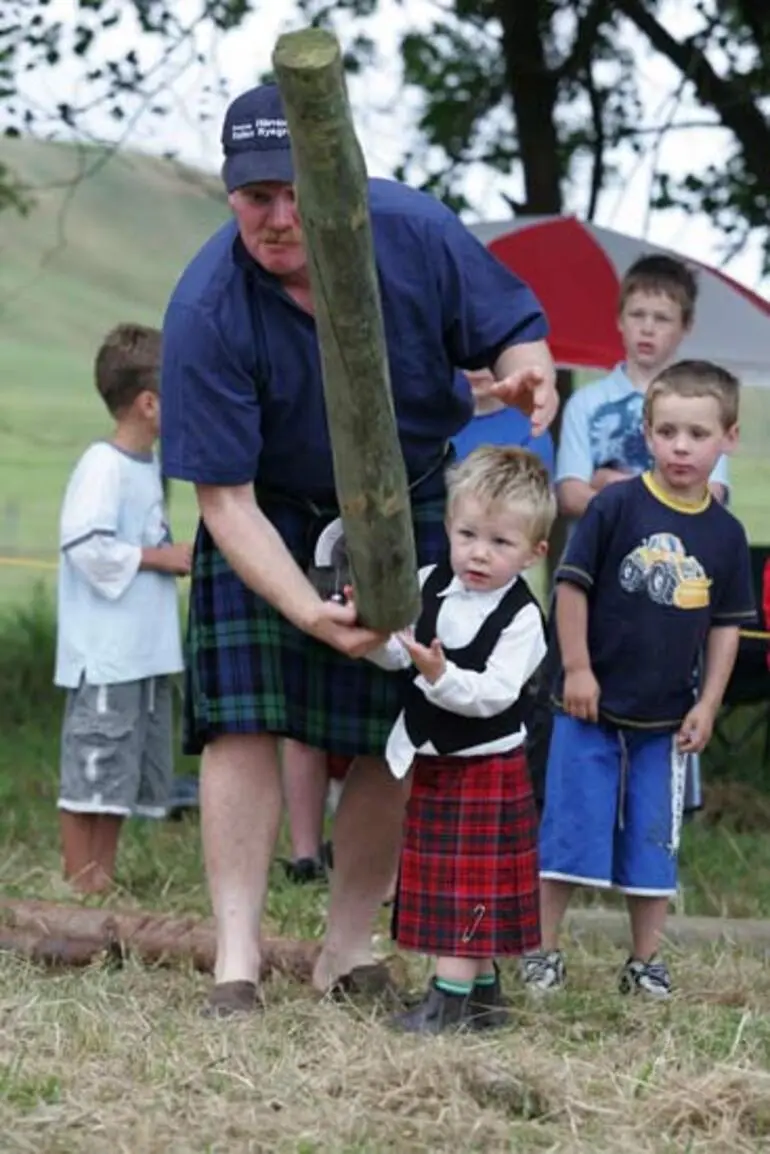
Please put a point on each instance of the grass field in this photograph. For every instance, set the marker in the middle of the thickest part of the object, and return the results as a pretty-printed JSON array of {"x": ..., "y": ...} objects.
[
  {"x": 105, "y": 250},
  {"x": 104, "y": 1059}
]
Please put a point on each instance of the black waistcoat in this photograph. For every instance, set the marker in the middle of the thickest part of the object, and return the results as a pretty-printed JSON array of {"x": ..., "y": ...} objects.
[{"x": 449, "y": 732}]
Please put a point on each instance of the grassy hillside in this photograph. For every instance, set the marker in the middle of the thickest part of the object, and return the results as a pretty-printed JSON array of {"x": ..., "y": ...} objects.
[
  {"x": 92, "y": 252},
  {"x": 107, "y": 248}
]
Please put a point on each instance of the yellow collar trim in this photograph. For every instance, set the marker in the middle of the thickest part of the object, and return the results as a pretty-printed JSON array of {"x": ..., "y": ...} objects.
[{"x": 671, "y": 502}]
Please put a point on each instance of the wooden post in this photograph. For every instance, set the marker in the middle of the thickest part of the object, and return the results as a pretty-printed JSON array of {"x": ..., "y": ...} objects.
[{"x": 369, "y": 472}]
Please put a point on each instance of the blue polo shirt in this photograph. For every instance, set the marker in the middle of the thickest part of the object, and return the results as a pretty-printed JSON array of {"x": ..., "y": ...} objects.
[
  {"x": 242, "y": 395},
  {"x": 504, "y": 427},
  {"x": 658, "y": 575}
]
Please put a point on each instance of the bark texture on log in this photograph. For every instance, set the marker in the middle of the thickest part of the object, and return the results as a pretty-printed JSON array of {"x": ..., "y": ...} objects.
[
  {"x": 59, "y": 935},
  {"x": 370, "y": 475}
]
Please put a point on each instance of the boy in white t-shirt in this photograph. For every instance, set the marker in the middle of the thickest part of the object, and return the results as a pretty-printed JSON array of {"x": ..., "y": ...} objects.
[{"x": 118, "y": 636}]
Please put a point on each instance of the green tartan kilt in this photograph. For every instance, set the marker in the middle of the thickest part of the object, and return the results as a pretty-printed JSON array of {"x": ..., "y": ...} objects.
[{"x": 249, "y": 670}]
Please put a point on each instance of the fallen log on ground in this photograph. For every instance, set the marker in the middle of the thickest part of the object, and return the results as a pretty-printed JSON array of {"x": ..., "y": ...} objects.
[
  {"x": 55, "y": 935},
  {"x": 61, "y": 935}
]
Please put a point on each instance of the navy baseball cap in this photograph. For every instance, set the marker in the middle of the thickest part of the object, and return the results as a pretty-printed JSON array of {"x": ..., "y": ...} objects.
[{"x": 255, "y": 139}]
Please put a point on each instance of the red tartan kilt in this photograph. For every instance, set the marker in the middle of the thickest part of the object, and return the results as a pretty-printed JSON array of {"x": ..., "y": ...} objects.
[{"x": 468, "y": 885}]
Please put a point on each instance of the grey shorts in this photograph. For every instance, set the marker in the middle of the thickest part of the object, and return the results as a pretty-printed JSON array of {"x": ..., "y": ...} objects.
[{"x": 117, "y": 748}]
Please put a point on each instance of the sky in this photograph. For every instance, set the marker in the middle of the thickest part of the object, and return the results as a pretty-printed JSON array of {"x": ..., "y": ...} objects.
[{"x": 383, "y": 113}]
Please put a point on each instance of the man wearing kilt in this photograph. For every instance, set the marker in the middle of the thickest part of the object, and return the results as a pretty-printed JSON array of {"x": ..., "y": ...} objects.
[
  {"x": 244, "y": 420},
  {"x": 468, "y": 884}
]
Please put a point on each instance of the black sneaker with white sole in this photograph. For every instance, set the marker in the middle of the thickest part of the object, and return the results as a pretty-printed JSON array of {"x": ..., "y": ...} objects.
[{"x": 651, "y": 978}]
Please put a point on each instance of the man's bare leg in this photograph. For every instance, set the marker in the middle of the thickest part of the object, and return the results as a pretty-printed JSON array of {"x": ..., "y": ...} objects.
[
  {"x": 305, "y": 782},
  {"x": 240, "y": 814},
  {"x": 367, "y": 839}
]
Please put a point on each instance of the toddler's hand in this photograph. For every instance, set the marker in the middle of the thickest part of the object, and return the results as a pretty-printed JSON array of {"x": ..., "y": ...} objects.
[{"x": 428, "y": 659}]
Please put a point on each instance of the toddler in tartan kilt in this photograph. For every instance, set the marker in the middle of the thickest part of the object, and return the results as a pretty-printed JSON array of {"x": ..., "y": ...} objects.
[{"x": 468, "y": 884}]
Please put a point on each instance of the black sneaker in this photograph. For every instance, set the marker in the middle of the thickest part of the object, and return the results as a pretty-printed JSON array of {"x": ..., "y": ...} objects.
[
  {"x": 438, "y": 1011},
  {"x": 650, "y": 978},
  {"x": 486, "y": 1005},
  {"x": 305, "y": 870}
]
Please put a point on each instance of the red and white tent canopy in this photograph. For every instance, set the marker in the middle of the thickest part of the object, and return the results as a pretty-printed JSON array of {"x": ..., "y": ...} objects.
[{"x": 575, "y": 269}]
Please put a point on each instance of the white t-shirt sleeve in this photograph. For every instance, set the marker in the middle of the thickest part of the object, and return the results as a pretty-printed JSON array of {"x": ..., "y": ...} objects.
[
  {"x": 519, "y": 650},
  {"x": 89, "y": 524}
]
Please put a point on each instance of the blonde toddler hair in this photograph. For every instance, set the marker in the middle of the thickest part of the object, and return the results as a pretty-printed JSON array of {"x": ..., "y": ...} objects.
[{"x": 512, "y": 479}]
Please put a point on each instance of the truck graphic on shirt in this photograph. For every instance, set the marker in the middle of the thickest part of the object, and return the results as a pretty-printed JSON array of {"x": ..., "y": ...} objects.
[{"x": 661, "y": 568}]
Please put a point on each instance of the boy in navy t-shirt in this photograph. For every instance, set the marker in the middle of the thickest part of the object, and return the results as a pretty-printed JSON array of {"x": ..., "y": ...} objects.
[{"x": 656, "y": 572}]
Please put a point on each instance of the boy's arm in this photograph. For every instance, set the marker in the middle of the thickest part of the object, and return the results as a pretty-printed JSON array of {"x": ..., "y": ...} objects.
[
  {"x": 391, "y": 656},
  {"x": 520, "y": 649},
  {"x": 88, "y": 536},
  {"x": 110, "y": 565},
  {"x": 580, "y": 697},
  {"x": 721, "y": 651}
]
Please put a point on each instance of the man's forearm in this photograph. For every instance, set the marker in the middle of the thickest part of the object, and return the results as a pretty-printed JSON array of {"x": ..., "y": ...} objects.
[
  {"x": 256, "y": 551},
  {"x": 721, "y": 652},
  {"x": 531, "y": 355},
  {"x": 572, "y": 627}
]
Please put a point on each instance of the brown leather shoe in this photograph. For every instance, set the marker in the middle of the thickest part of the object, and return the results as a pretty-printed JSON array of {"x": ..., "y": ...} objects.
[
  {"x": 231, "y": 1000},
  {"x": 368, "y": 981}
]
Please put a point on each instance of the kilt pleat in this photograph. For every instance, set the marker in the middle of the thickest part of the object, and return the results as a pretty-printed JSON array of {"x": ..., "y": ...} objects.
[
  {"x": 249, "y": 670},
  {"x": 468, "y": 884}
]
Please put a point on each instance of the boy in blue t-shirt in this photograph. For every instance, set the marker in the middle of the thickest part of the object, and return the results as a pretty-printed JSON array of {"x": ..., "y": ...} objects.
[
  {"x": 493, "y": 423},
  {"x": 602, "y": 439},
  {"x": 656, "y": 572}
]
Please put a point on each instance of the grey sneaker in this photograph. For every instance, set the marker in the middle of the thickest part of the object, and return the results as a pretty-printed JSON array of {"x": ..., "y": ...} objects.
[
  {"x": 543, "y": 973},
  {"x": 650, "y": 978}
]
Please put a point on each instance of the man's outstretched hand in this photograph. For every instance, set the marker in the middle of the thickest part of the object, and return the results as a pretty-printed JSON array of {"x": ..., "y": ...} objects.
[{"x": 532, "y": 391}]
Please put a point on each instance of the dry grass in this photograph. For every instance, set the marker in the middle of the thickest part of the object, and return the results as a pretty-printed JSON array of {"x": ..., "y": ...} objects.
[
  {"x": 120, "y": 1061},
  {"x": 111, "y": 1062}
]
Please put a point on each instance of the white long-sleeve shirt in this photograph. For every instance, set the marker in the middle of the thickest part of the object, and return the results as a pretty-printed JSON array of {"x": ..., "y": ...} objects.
[
  {"x": 519, "y": 651},
  {"x": 116, "y": 623}
]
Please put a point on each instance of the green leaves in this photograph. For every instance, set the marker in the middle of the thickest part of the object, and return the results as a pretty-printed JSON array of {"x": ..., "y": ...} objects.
[{"x": 536, "y": 100}]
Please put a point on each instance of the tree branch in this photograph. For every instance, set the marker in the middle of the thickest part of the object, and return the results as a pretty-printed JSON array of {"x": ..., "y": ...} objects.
[
  {"x": 728, "y": 97},
  {"x": 534, "y": 93},
  {"x": 585, "y": 40},
  {"x": 597, "y": 166}
]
